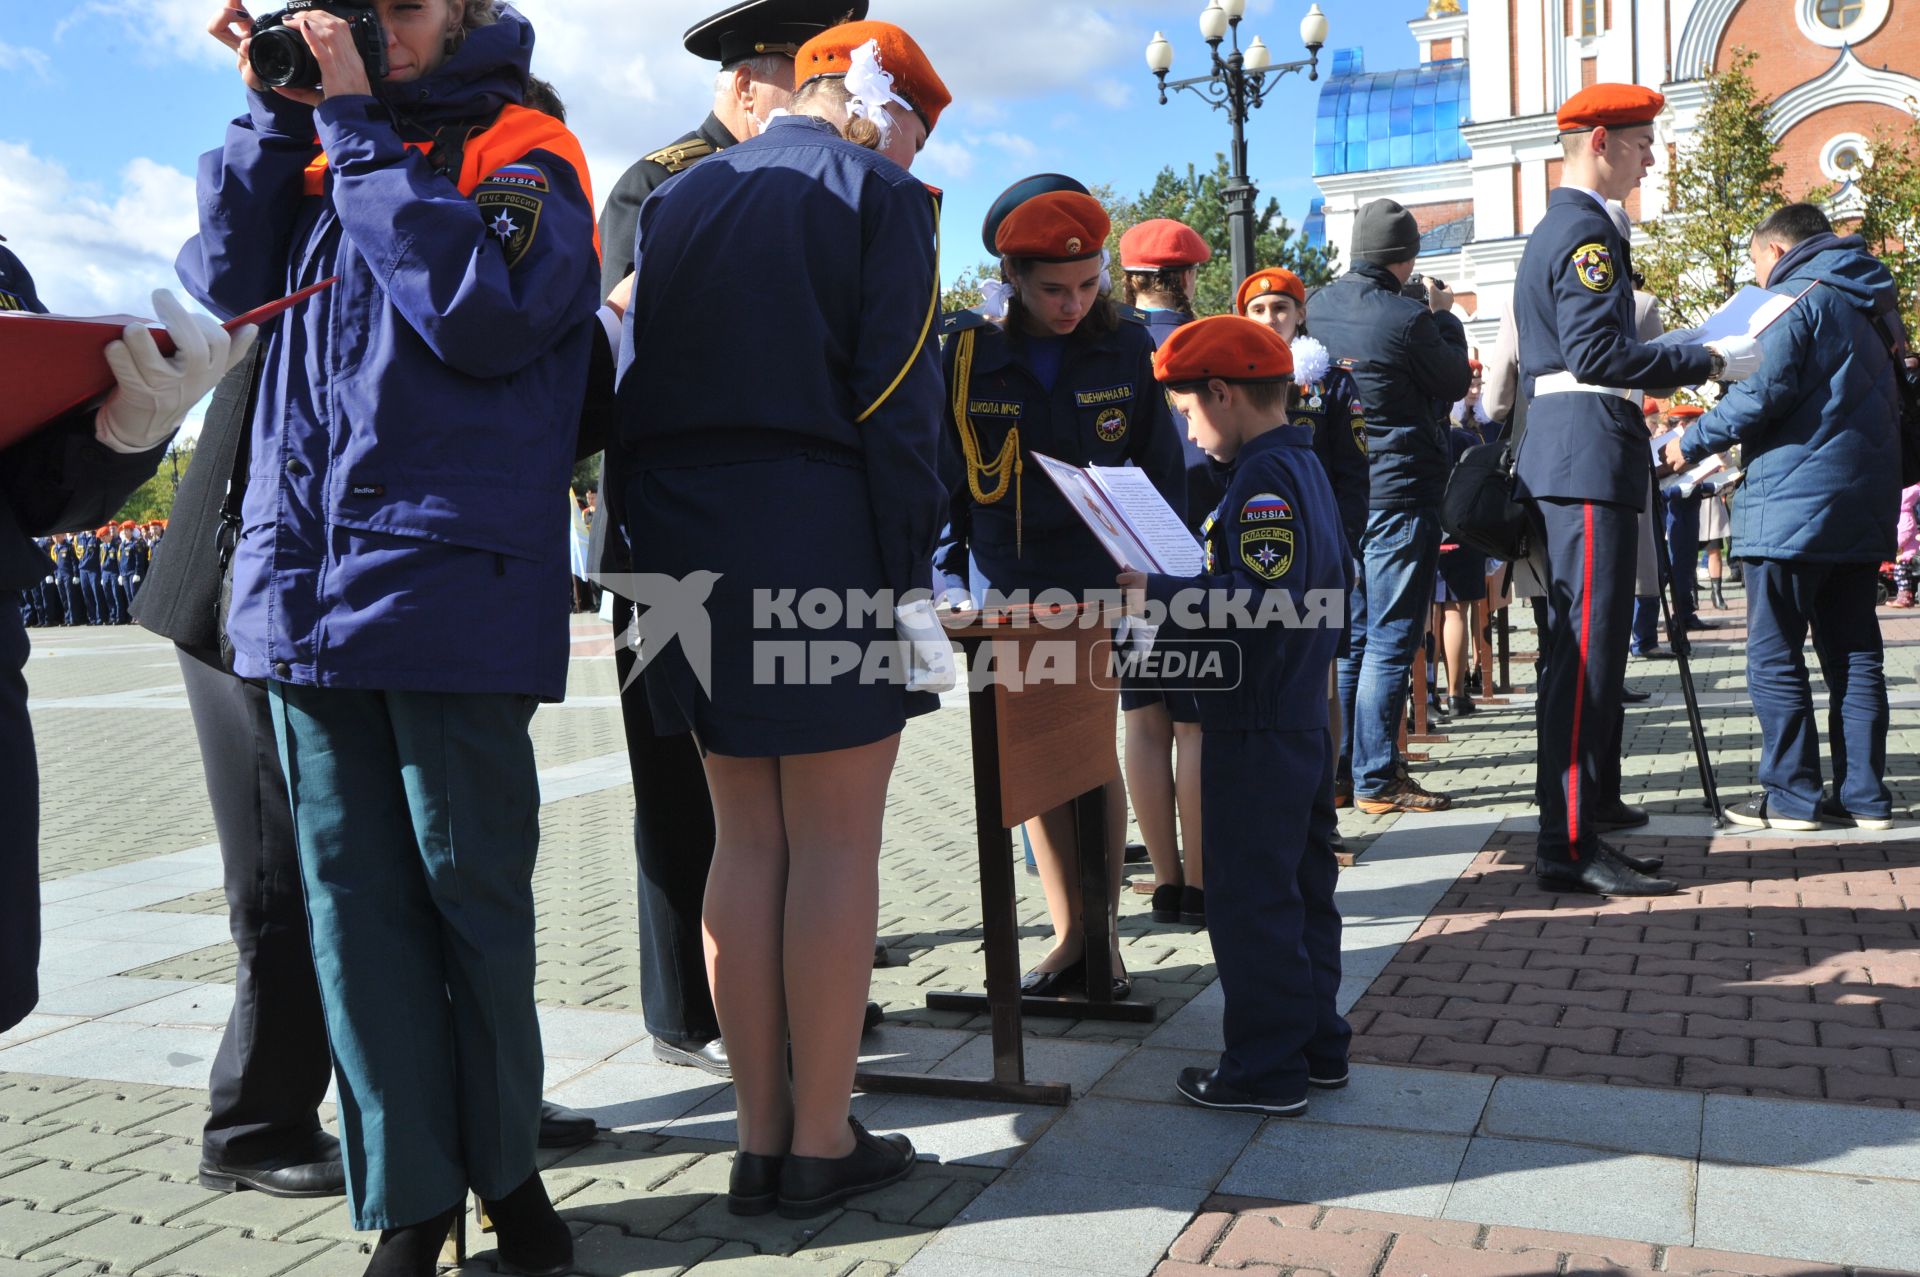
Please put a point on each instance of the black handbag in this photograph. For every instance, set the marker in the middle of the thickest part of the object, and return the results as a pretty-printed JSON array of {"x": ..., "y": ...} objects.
[{"x": 1479, "y": 510}]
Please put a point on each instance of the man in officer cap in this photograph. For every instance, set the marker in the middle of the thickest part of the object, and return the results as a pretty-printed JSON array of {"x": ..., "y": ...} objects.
[
  {"x": 1585, "y": 471},
  {"x": 754, "y": 43}
]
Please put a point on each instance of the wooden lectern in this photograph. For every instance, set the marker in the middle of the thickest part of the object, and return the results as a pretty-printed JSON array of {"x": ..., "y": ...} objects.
[{"x": 1036, "y": 746}]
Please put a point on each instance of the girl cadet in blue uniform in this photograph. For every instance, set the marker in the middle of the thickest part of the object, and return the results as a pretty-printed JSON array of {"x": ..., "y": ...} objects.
[
  {"x": 1070, "y": 376},
  {"x": 1267, "y": 762},
  {"x": 1160, "y": 261},
  {"x": 817, "y": 476},
  {"x": 401, "y": 576}
]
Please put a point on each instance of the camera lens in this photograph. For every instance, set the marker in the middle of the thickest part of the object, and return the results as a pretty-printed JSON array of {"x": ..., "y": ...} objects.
[{"x": 281, "y": 58}]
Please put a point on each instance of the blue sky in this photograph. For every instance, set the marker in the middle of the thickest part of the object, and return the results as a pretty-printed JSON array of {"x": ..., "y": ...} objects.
[{"x": 105, "y": 104}]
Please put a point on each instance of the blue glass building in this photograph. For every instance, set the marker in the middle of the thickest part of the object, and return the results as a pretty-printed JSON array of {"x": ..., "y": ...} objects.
[{"x": 1390, "y": 119}]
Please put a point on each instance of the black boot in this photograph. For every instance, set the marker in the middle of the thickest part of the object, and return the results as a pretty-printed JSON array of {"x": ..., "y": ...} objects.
[
  {"x": 1719, "y": 596},
  {"x": 413, "y": 1250},
  {"x": 1462, "y": 706},
  {"x": 533, "y": 1239}
]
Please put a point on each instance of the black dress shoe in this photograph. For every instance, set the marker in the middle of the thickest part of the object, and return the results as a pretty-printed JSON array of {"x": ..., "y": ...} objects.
[
  {"x": 1648, "y": 865},
  {"x": 1619, "y": 816},
  {"x": 532, "y": 1238},
  {"x": 871, "y": 1021},
  {"x": 312, "y": 1172},
  {"x": 710, "y": 1057},
  {"x": 1599, "y": 875},
  {"x": 1698, "y": 622},
  {"x": 1462, "y": 706},
  {"x": 563, "y": 1127},
  {"x": 1632, "y": 697},
  {"x": 1069, "y": 979},
  {"x": 753, "y": 1188},
  {"x": 412, "y": 1250},
  {"x": 1203, "y": 1087},
  {"x": 811, "y": 1186},
  {"x": 1193, "y": 906},
  {"x": 1137, "y": 854},
  {"x": 1166, "y": 902}
]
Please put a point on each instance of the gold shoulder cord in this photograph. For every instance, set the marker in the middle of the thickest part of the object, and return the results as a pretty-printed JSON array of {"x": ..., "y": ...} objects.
[{"x": 1007, "y": 467}]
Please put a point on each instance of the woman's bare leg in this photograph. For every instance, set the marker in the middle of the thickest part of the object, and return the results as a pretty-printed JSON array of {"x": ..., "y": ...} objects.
[
  {"x": 1151, "y": 787},
  {"x": 834, "y": 805},
  {"x": 1187, "y": 783},
  {"x": 743, "y": 924}
]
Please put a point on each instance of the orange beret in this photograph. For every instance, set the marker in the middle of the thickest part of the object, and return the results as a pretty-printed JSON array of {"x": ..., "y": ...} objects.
[
  {"x": 1610, "y": 106},
  {"x": 1060, "y": 226},
  {"x": 1686, "y": 411},
  {"x": 1163, "y": 244},
  {"x": 128, "y": 524},
  {"x": 1475, "y": 365},
  {"x": 1272, "y": 280},
  {"x": 831, "y": 53},
  {"x": 1224, "y": 346}
]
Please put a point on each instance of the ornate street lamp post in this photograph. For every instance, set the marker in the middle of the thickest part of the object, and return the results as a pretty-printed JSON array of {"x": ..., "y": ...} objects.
[{"x": 1238, "y": 84}]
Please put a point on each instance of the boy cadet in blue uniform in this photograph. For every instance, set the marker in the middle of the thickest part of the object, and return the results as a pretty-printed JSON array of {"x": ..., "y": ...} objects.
[
  {"x": 66, "y": 562},
  {"x": 1267, "y": 758},
  {"x": 89, "y": 575},
  {"x": 1070, "y": 376},
  {"x": 110, "y": 576},
  {"x": 138, "y": 556},
  {"x": 1584, "y": 468}
]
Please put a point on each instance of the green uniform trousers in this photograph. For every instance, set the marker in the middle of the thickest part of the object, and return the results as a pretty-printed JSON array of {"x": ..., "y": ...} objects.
[{"x": 416, "y": 815}]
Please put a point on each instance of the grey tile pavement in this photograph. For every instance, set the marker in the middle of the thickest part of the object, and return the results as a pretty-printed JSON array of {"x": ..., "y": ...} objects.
[
  {"x": 1622, "y": 1119},
  {"x": 1534, "y": 1184},
  {"x": 1405, "y": 1173},
  {"x": 1833, "y": 1219}
]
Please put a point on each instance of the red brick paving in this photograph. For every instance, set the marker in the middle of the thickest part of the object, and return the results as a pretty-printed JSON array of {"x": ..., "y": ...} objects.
[
  {"x": 1267, "y": 1239},
  {"x": 1785, "y": 968}
]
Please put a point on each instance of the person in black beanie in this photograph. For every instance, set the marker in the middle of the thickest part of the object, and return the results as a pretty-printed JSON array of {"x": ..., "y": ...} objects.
[{"x": 1406, "y": 358}]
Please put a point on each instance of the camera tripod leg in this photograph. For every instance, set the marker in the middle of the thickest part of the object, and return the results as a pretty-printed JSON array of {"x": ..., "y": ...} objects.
[{"x": 1682, "y": 650}]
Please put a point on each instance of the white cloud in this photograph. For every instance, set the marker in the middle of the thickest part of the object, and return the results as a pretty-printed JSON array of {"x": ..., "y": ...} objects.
[
  {"x": 161, "y": 29},
  {"x": 16, "y": 58},
  {"x": 94, "y": 251}
]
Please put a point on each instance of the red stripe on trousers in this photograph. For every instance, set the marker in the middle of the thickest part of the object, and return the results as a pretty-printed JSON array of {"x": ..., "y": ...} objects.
[{"x": 1580, "y": 693}]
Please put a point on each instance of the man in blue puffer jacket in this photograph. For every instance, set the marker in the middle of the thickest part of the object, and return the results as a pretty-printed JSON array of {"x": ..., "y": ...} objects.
[{"x": 1818, "y": 434}]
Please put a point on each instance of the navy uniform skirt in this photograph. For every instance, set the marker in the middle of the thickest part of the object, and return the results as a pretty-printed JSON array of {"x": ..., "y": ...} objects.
[
  {"x": 1462, "y": 577},
  {"x": 786, "y": 545}
]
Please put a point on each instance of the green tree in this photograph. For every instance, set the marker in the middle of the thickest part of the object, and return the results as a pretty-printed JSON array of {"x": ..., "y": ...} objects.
[
  {"x": 154, "y": 498},
  {"x": 1723, "y": 181},
  {"x": 1890, "y": 218}
]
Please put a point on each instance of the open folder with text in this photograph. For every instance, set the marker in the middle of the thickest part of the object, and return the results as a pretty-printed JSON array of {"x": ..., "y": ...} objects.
[{"x": 1122, "y": 508}]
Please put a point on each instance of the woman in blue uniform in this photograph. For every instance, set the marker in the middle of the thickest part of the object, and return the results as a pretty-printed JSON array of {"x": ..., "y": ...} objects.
[
  {"x": 1161, "y": 260},
  {"x": 401, "y": 575},
  {"x": 817, "y": 476},
  {"x": 1070, "y": 376}
]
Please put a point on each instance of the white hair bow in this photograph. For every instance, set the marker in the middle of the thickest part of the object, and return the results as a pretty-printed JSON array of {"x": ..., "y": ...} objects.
[
  {"x": 995, "y": 294},
  {"x": 871, "y": 87},
  {"x": 1311, "y": 362}
]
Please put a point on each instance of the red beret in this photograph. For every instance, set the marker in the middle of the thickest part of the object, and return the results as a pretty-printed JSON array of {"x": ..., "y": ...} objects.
[
  {"x": 1610, "y": 106},
  {"x": 1163, "y": 244},
  {"x": 1224, "y": 346},
  {"x": 831, "y": 53},
  {"x": 1274, "y": 279},
  {"x": 1060, "y": 226},
  {"x": 1686, "y": 411},
  {"x": 127, "y": 524}
]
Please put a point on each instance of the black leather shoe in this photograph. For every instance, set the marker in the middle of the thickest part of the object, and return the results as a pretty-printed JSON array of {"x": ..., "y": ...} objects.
[
  {"x": 811, "y": 1186},
  {"x": 1619, "y": 816},
  {"x": 1203, "y": 1087},
  {"x": 1648, "y": 865},
  {"x": 753, "y": 1188},
  {"x": 1461, "y": 706},
  {"x": 412, "y": 1250},
  {"x": 313, "y": 1172},
  {"x": 1166, "y": 902},
  {"x": 532, "y": 1238},
  {"x": 875, "y": 1014},
  {"x": 563, "y": 1127},
  {"x": 1137, "y": 854},
  {"x": 1632, "y": 697},
  {"x": 710, "y": 1057},
  {"x": 1599, "y": 875},
  {"x": 1193, "y": 906},
  {"x": 1069, "y": 979},
  {"x": 1698, "y": 622}
]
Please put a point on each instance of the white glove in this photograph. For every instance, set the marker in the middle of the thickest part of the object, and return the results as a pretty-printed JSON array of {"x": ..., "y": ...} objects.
[
  {"x": 929, "y": 651},
  {"x": 949, "y": 591},
  {"x": 49, "y": 581},
  {"x": 155, "y": 392},
  {"x": 1742, "y": 355}
]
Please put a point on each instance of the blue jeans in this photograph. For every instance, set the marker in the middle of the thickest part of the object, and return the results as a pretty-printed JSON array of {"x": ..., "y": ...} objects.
[
  {"x": 1399, "y": 553},
  {"x": 1784, "y": 599}
]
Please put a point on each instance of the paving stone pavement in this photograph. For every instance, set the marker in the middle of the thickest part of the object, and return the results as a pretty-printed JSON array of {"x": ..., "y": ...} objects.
[{"x": 1491, "y": 1164}]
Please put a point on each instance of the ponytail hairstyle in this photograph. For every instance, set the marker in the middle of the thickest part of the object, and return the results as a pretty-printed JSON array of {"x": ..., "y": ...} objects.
[
  {"x": 826, "y": 97},
  {"x": 1160, "y": 284}
]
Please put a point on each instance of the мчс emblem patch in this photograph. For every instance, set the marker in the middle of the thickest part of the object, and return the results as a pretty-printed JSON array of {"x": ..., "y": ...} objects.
[
  {"x": 1267, "y": 552},
  {"x": 1111, "y": 425},
  {"x": 1593, "y": 263},
  {"x": 512, "y": 217}
]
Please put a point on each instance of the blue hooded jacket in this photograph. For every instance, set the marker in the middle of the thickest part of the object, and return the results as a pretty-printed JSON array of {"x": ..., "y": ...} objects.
[
  {"x": 405, "y": 523},
  {"x": 1818, "y": 425}
]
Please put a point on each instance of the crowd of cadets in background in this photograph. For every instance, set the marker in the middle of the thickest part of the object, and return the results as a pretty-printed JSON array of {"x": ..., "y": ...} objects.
[{"x": 91, "y": 577}]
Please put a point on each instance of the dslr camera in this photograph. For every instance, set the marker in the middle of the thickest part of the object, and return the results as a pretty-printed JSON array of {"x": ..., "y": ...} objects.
[
  {"x": 280, "y": 55},
  {"x": 1417, "y": 287}
]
